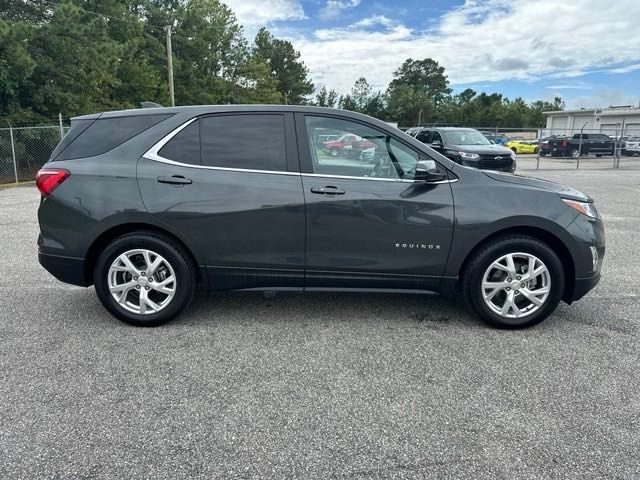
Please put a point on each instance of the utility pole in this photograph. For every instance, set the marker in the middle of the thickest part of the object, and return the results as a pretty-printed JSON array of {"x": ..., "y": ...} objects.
[{"x": 167, "y": 30}]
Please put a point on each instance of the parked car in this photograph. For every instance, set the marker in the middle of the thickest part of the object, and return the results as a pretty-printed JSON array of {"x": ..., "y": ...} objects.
[
  {"x": 521, "y": 146},
  {"x": 497, "y": 138},
  {"x": 469, "y": 147},
  {"x": 632, "y": 146},
  {"x": 149, "y": 205},
  {"x": 598, "y": 144},
  {"x": 346, "y": 145}
]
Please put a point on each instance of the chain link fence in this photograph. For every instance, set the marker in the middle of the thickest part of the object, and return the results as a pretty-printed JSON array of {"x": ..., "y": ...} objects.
[{"x": 23, "y": 150}]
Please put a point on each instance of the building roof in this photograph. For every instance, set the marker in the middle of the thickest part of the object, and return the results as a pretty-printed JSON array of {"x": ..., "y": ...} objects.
[{"x": 597, "y": 111}]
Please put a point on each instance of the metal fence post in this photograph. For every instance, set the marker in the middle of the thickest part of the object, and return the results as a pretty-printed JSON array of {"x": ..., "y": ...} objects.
[
  {"x": 580, "y": 146},
  {"x": 538, "y": 151},
  {"x": 13, "y": 152},
  {"x": 61, "y": 127}
]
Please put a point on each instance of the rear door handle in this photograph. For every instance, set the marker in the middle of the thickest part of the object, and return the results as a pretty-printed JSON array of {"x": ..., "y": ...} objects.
[
  {"x": 328, "y": 190},
  {"x": 175, "y": 180}
]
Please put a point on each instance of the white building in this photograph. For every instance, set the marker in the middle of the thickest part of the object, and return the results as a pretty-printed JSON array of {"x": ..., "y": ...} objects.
[{"x": 611, "y": 121}]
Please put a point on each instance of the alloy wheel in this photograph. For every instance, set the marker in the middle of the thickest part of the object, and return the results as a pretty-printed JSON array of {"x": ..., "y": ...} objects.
[
  {"x": 142, "y": 281},
  {"x": 516, "y": 285}
]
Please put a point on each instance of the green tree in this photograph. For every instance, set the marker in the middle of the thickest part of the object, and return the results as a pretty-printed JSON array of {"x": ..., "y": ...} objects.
[
  {"x": 287, "y": 69},
  {"x": 326, "y": 98},
  {"x": 417, "y": 89}
]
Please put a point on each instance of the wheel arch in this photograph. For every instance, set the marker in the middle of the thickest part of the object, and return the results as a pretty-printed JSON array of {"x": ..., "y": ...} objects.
[
  {"x": 107, "y": 236},
  {"x": 555, "y": 242}
]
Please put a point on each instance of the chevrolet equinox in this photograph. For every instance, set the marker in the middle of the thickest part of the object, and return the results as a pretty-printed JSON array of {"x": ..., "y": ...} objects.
[{"x": 149, "y": 205}]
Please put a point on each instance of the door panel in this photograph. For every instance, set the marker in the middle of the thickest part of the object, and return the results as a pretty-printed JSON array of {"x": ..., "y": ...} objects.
[
  {"x": 377, "y": 234},
  {"x": 376, "y": 230},
  {"x": 247, "y": 226}
]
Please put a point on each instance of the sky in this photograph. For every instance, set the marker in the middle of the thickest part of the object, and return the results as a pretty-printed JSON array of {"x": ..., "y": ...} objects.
[{"x": 585, "y": 51}]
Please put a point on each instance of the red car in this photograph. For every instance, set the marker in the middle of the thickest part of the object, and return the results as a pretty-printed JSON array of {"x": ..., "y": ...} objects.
[{"x": 347, "y": 145}]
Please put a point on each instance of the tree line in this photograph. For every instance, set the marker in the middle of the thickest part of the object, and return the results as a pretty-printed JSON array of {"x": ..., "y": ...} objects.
[{"x": 81, "y": 56}]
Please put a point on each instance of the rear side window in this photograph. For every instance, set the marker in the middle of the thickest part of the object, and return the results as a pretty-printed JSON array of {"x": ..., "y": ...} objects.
[
  {"x": 184, "y": 146},
  {"x": 105, "y": 134},
  {"x": 254, "y": 142},
  {"x": 77, "y": 127}
]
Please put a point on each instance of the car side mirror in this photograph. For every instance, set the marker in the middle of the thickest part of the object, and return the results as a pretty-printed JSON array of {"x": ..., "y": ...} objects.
[
  {"x": 436, "y": 144},
  {"x": 428, "y": 171}
]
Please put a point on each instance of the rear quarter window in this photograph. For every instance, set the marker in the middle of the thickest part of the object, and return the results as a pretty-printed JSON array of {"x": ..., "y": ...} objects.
[{"x": 105, "y": 134}]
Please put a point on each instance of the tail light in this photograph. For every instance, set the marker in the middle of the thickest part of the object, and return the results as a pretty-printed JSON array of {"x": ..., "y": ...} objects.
[
  {"x": 48, "y": 179},
  {"x": 563, "y": 143}
]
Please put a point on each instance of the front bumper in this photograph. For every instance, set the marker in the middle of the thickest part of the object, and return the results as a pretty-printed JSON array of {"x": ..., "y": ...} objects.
[
  {"x": 66, "y": 269},
  {"x": 584, "y": 286}
]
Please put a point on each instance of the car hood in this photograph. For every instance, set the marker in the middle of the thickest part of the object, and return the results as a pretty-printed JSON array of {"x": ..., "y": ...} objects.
[
  {"x": 482, "y": 149},
  {"x": 562, "y": 190}
]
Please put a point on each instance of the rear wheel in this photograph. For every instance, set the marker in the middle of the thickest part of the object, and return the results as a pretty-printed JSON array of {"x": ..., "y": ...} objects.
[
  {"x": 514, "y": 149},
  {"x": 535, "y": 150},
  {"x": 144, "y": 279},
  {"x": 515, "y": 282}
]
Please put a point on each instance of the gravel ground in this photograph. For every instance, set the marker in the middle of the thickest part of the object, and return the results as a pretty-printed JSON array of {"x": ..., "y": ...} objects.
[{"x": 321, "y": 385}]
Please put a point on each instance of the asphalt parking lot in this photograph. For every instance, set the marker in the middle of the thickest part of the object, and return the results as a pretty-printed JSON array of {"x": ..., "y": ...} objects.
[{"x": 322, "y": 385}]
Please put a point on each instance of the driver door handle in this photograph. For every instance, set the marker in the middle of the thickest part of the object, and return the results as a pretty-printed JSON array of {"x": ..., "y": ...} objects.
[
  {"x": 175, "y": 180},
  {"x": 328, "y": 190}
]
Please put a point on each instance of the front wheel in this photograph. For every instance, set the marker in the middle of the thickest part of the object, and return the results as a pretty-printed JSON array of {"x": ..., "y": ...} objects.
[
  {"x": 515, "y": 282},
  {"x": 144, "y": 279}
]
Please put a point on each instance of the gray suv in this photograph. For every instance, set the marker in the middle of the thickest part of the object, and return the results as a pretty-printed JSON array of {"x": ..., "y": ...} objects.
[{"x": 150, "y": 205}]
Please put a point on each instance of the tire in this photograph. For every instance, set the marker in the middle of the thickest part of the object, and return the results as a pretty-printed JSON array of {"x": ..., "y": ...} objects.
[
  {"x": 535, "y": 150},
  {"x": 543, "y": 154},
  {"x": 598, "y": 155},
  {"x": 172, "y": 262},
  {"x": 514, "y": 149},
  {"x": 481, "y": 264}
]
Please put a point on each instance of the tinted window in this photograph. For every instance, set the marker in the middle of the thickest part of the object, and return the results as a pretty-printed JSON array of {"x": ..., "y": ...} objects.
[
  {"x": 356, "y": 150},
  {"x": 254, "y": 142},
  {"x": 106, "y": 134},
  {"x": 184, "y": 147},
  {"x": 77, "y": 127},
  {"x": 423, "y": 136}
]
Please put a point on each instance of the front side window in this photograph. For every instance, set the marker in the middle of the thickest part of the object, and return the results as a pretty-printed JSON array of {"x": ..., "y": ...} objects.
[
  {"x": 346, "y": 148},
  {"x": 248, "y": 141}
]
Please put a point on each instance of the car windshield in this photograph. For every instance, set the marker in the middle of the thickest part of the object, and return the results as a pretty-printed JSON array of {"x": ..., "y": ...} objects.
[{"x": 466, "y": 137}]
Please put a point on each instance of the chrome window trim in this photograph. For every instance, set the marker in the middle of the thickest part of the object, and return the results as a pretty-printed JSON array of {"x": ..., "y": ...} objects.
[
  {"x": 152, "y": 154},
  {"x": 397, "y": 180}
]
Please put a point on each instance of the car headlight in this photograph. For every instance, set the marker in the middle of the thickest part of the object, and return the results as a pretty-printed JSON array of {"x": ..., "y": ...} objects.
[
  {"x": 588, "y": 209},
  {"x": 469, "y": 156}
]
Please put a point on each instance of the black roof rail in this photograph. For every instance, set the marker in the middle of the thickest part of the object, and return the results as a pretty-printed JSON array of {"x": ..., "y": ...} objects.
[{"x": 150, "y": 105}]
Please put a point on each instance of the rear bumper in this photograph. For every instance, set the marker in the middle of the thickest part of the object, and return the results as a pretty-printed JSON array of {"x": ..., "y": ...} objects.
[{"x": 66, "y": 269}]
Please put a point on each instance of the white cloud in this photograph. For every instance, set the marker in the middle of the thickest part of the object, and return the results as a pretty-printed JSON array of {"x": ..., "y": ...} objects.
[
  {"x": 482, "y": 41},
  {"x": 252, "y": 13},
  {"x": 334, "y": 8},
  {"x": 373, "y": 21},
  {"x": 570, "y": 86},
  {"x": 603, "y": 97},
  {"x": 626, "y": 69}
]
